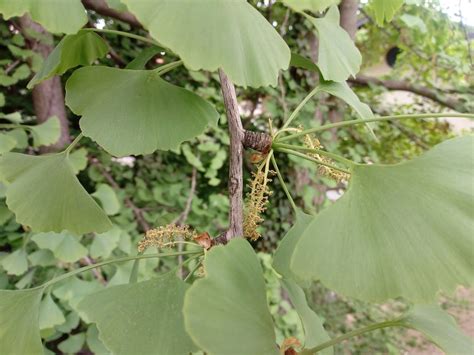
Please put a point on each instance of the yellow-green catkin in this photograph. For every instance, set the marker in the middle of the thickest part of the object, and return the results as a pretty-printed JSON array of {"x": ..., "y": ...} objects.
[
  {"x": 165, "y": 236},
  {"x": 256, "y": 203},
  {"x": 313, "y": 143}
]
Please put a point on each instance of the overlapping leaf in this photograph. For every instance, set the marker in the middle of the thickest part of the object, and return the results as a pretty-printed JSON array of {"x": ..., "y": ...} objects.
[
  {"x": 47, "y": 132},
  {"x": 135, "y": 111},
  {"x": 213, "y": 34},
  {"x": 44, "y": 194},
  {"x": 57, "y": 16},
  {"x": 440, "y": 328},
  {"x": 65, "y": 246},
  {"x": 338, "y": 58},
  {"x": 82, "y": 48},
  {"x": 19, "y": 331},
  {"x": 385, "y": 10},
  {"x": 401, "y": 230},
  {"x": 141, "y": 318},
  {"x": 241, "y": 322}
]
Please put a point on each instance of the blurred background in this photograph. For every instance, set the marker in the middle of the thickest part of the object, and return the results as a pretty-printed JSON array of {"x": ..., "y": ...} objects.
[{"x": 421, "y": 62}]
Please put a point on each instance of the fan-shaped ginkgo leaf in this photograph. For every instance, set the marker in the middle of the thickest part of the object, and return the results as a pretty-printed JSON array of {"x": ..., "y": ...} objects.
[
  {"x": 214, "y": 34},
  {"x": 37, "y": 182},
  {"x": 65, "y": 246},
  {"x": 338, "y": 57},
  {"x": 57, "y": 16},
  {"x": 47, "y": 132},
  {"x": 400, "y": 230},
  {"x": 241, "y": 322},
  {"x": 19, "y": 328},
  {"x": 82, "y": 48},
  {"x": 141, "y": 318},
  {"x": 135, "y": 111}
]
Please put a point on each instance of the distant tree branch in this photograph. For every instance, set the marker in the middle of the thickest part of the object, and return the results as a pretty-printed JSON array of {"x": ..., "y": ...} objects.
[
  {"x": 101, "y": 7},
  {"x": 434, "y": 95}
]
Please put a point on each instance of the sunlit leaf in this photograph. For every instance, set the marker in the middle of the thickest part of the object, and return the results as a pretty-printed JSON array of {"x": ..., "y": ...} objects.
[
  {"x": 313, "y": 326},
  {"x": 19, "y": 312},
  {"x": 108, "y": 199},
  {"x": 57, "y": 16},
  {"x": 385, "y": 10},
  {"x": 135, "y": 111},
  {"x": 338, "y": 57},
  {"x": 50, "y": 314},
  {"x": 82, "y": 48},
  {"x": 440, "y": 328},
  {"x": 400, "y": 230},
  {"x": 141, "y": 318},
  {"x": 236, "y": 37},
  {"x": 16, "y": 263},
  {"x": 310, "y": 5},
  {"x": 65, "y": 246},
  {"x": 232, "y": 294},
  {"x": 47, "y": 132},
  {"x": 37, "y": 182}
]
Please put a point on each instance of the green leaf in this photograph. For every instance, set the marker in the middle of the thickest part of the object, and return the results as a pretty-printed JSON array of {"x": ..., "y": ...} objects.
[
  {"x": 16, "y": 263},
  {"x": 2, "y": 99},
  {"x": 299, "y": 61},
  {"x": 345, "y": 93},
  {"x": 108, "y": 199},
  {"x": 313, "y": 326},
  {"x": 73, "y": 344},
  {"x": 7, "y": 143},
  {"x": 103, "y": 244},
  {"x": 57, "y": 16},
  {"x": 385, "y": 10},
  {"x": 74, "y": 290},
  {"x": 65, "y": 246},
  {"x": 141, "y": 318},
  {"x": 44, "y": 194},
  {"x": 50, "y": 314},
  {"x": 135, "y": 111},
  {"x": 282, "y": 257},
  {"x": 19, "y": 332},
  {"x": 339, "y": 58},
  {"x": 400, "y": 230},
  {"x": 236, "y": 37},
  {"x": 20, "y": 137},
  {"x": 233, "y": 296},
  {"x": 440, "y": 328},
  {"x": 93, "y": 341},
  {"x": 47, "y": 132},
  {"x": 311, "y": 5},
  {"x": 144, "y": 57},
  {"x": 82, "y": 49},
  {"x": 414, "y": 22},
  {"x": 78, "y": 160},
  {"x": 42, "y": 257}
]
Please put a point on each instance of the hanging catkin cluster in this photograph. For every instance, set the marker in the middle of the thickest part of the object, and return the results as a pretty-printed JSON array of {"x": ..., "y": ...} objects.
[
  {"x": 256, "y": 203},
  {"x": 165, "y": 236},
  {"x": 313, "y": 143}
]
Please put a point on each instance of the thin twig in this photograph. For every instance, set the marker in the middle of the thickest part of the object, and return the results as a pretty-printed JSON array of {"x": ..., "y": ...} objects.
[{"x": 98, "y": 275}]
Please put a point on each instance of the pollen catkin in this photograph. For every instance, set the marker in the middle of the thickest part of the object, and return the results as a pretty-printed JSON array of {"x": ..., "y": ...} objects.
[
  {"x": 256, "y": 203},
  {"x": 313, "y": 143},
  {"x": 165, "y": 236}
]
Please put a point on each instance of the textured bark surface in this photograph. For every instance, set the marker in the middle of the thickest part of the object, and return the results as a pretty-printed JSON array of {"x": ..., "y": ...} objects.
[
  {"x": 258, "y": 141},
  {"x": 348, "y": 10},
  {"x": 48, "y": 96},
  {"x": 236, "y": 133}
]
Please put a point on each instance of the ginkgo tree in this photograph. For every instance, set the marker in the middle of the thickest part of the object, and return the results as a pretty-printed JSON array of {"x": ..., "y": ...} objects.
[{"x": 401, "y": 230}]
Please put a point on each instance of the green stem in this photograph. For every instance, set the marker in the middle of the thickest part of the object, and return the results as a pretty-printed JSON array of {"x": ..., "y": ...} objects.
[
  {"x": 168, "y": 67},
  {"x": 74, "y": 143},
  {"x": 304, "y": 156},
  {"x": 11, "y": 126},
  {"x": 375, "y": 119},
  {"x": 126, "y": 34},
  {"x": 298, "y": 109},
  {"x": 372, "y": 327},
  {"x": 192, "y": 271},
  {"x": 283, "y": 185},
  {"x": 333, "y": 156},
  {"x": 113, "y": 261}
]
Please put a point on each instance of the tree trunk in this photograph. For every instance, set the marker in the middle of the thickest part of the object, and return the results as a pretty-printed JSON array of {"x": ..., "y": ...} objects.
[
  {"x": 348, "y": 10},
  {"x": 48, "y": 97}
]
